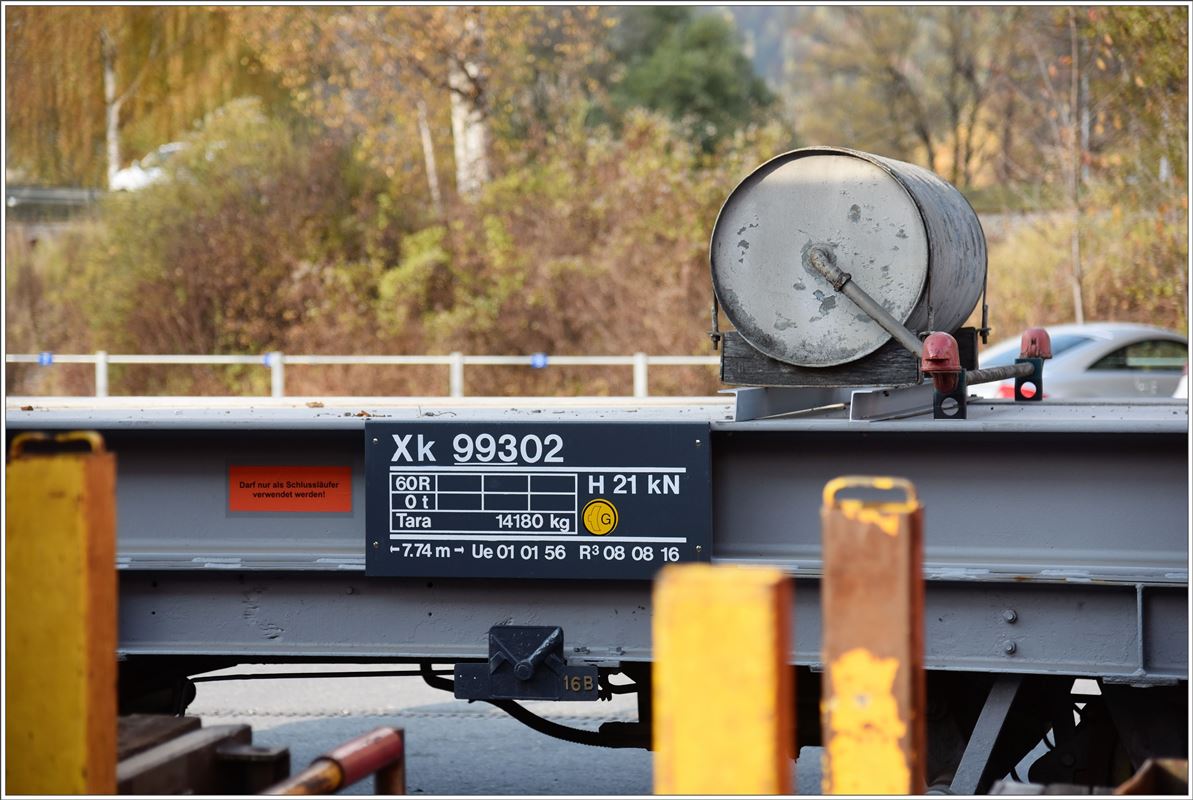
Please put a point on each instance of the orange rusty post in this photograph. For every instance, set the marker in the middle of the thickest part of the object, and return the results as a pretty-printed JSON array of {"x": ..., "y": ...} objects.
[
  {"x": 60, "y": 618},
  {"x": 872, "y": 600},
  {"x": 382, "y": 751}
]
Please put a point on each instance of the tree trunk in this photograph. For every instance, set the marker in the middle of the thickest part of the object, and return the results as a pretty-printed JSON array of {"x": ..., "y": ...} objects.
[
  {"x": 470, "y": 138},
  {"x": 112, "y": 103},
  {"x": 428, "y": 145},
  {"x": 1076, "y": 152},
  {"x": 1007, "y": 139},
  {"x": 470, "y": 130}
]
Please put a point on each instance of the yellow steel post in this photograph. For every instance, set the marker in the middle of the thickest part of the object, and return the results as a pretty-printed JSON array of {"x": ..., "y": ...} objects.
[
  {"x": 872, "y": 601},
  {"x": 60, "y": 620},
  {"x": 723, "y": 696}
]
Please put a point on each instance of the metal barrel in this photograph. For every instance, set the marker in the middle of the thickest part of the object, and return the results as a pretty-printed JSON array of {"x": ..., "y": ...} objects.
[{"x": 906, "y": 237}]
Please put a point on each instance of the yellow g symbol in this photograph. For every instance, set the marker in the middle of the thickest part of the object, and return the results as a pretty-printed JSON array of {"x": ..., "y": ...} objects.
[{"x": 600, "y": 517}]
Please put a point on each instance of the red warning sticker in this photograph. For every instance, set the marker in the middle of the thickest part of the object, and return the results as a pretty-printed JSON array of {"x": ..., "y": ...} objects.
[{"x": 290, "y": 489}]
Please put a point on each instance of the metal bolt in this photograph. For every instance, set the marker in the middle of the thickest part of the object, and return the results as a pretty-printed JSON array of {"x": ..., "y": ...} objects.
[
  {"x": 698, "y": 549},
  {"x": 698, "y": 443},
  {"x": 1009, "y": 615},
  {"x": 1009, "y": 648},
  {"x": 374, "y": 440},
  {"x": 376, "y": 544}
]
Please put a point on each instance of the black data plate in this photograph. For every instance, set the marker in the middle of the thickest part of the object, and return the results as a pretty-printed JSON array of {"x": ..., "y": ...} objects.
[{"x": 533, "y": 500}]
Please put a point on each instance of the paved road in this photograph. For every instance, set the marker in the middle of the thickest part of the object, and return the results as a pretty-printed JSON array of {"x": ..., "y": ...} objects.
[{"x": 453, "y": 747}]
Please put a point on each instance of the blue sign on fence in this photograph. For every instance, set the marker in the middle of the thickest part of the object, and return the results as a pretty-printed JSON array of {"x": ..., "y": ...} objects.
[
  {"x": 45, "y": 359},
  {"x": 538, "y": 360}
]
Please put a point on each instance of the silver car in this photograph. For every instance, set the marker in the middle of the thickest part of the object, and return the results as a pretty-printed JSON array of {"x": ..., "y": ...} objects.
[{"x": 1098, "y": 359}]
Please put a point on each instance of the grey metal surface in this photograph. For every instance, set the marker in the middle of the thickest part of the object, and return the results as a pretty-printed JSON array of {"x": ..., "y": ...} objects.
[
  {"x": 985, "y": 734},
  {"x": 337, "y": 413},
  {"x": 768, "y": 475},
  {"x": 771, "y": 401},
  {"x": 1079, "y": 500},
  {"x": 876, "y": 404},
  {"x": 1092, "y": 556},
  {"x": 908, "y": 239},
  {"x": 344, "y": 414},
  {"x": 1086, "y": 475},
  {"x": 1078, "y": 629}
]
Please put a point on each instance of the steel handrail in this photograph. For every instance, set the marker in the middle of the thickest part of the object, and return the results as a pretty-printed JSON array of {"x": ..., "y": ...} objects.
[{"x": 276, "y": 361}]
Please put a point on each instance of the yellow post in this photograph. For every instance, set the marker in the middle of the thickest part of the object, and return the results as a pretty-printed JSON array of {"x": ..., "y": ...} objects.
[
  {"x": 872, "y": 602},
  {"x": 60, "y": 621},
  {"x": 723, "y": 695}
]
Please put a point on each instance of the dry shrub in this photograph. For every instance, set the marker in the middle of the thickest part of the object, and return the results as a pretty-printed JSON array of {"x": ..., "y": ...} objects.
[
  {"x": 1134, "y": 261},
  {"x": 600, "y": 247},
  {"x": 261, "y": 240},
  {"x": 42, "y": 260}
]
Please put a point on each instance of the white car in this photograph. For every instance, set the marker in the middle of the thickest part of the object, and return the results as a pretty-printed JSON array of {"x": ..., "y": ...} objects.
[
  {"x": 145, "y": 171},
  {"x": 1098, "y": 359}
]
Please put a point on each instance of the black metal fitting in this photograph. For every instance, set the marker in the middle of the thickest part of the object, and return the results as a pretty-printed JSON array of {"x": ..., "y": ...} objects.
[
  {"x": 950, "y": 404},
  {"x": 526, "y": 662},
  {"x": 1036, "y": 378}
]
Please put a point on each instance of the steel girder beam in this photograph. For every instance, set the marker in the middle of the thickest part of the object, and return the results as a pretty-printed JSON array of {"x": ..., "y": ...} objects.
[
  {"x": 1080, "y": 630},
  {"x": 1075, "y": 527}
]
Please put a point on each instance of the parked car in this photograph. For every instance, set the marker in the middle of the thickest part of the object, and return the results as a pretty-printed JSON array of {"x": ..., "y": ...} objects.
[
  {"x": 145, "y": 171},
  {"x": 1099, "y": 359}
]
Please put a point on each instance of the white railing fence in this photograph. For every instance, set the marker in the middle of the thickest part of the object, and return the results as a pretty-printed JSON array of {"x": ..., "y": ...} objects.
[{"x": 455, "y": 362}]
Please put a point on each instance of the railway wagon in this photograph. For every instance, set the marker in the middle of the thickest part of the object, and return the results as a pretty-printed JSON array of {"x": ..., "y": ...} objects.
[{"x": 455, "y": 535}]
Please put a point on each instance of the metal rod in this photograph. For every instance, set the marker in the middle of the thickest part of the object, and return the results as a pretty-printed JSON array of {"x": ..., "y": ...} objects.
[
  {"x": 641, "y": 385},
  {"x": 276, "y": 361},
  {"x": 392, "y": 779},
  {"x": 381, "y": 749},
  {"x": 270, "y": 676},
  {"x": 455, "y": 379},
  {"x": 277, "y": 374},
  {"x": 178, "y": 359},
  {"x": 970, "y": 776},
  {"x": 822, "y": 261},
  {"x": 998, "y": 373},
  {"x": 101, "y": 373},
  {"x": 397, "y": 360},
  {"x": 323, "y": 776}
]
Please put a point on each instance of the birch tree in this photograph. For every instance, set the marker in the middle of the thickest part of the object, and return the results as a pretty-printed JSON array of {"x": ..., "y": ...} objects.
[
  {"x": 441, "y": 77},
  {"x": 88, "y": 84},
  {"x": 116, "y": 95}
]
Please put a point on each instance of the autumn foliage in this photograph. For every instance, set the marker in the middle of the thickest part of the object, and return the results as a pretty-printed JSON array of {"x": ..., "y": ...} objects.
[{"x": 530, "y": 179}]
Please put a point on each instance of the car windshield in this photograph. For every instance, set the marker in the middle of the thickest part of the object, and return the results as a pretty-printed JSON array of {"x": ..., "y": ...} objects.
[{"x": 1006, "y": 356}]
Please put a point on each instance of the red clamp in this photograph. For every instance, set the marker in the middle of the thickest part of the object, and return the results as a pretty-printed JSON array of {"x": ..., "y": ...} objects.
[
  {"x": 942, "y": 360},
  {"x": 1036, "y": 343}
]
